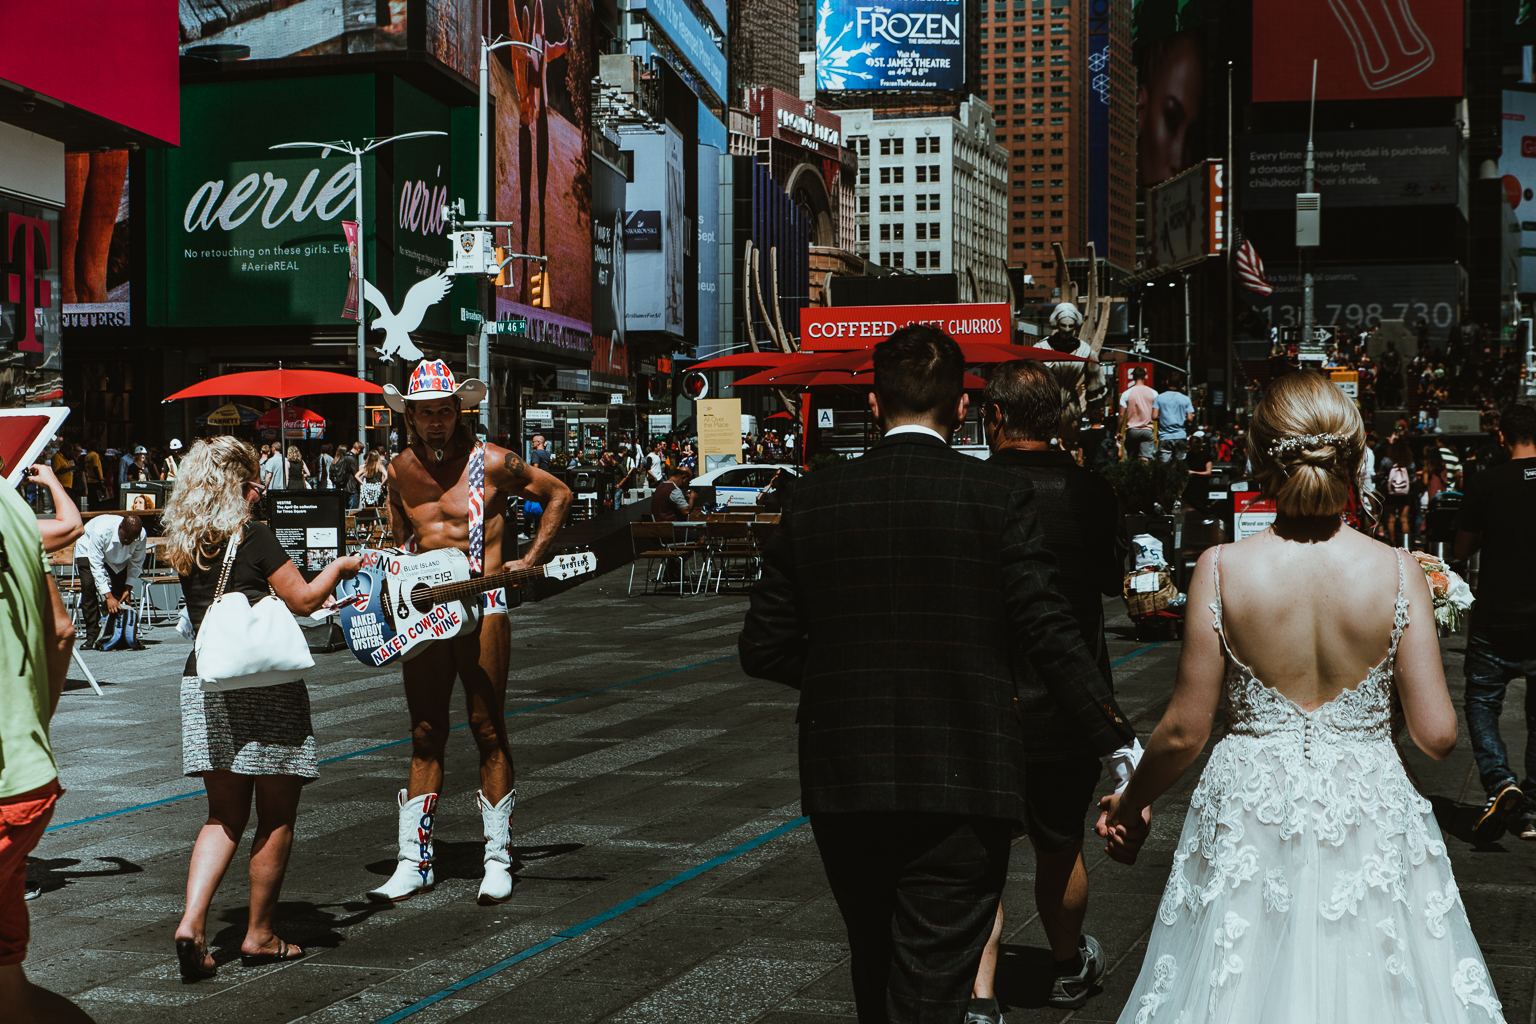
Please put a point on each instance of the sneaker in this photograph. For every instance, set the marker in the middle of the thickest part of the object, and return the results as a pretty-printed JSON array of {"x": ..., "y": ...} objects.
[
  {"x": 979, "y": 1012},
  {"x": 1071, "y": 991},
  {"x": 1523, "y": 824},
  {"x": 1501, "y": 804}
]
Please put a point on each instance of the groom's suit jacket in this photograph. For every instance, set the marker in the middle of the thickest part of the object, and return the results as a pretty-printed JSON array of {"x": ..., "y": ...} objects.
[{"x": 892, "y": 596}]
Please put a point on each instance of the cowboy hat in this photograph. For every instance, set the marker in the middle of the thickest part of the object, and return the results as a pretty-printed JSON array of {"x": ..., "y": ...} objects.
[{"x": 433, "y": 379}]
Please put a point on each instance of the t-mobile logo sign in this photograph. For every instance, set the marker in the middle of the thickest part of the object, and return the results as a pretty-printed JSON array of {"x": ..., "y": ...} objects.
[{"x": 27, "y": 251}]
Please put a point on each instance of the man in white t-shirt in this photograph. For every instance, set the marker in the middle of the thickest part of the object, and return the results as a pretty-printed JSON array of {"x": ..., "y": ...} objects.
[
  {"x": 1138, "y": 412},
  {"x": 272, "y": 469},
  {"x": 656, "y": 465}
]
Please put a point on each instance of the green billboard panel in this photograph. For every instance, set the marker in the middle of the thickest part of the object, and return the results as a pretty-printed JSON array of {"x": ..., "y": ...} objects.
[{"x": 243, "y": 235}]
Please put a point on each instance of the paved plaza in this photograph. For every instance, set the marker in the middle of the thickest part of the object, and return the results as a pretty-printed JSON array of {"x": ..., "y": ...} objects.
[{"x": 666, "y": 874}]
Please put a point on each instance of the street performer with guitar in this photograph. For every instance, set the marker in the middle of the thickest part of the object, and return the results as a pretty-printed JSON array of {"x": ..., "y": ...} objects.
[{"x": 449, "y": 491}]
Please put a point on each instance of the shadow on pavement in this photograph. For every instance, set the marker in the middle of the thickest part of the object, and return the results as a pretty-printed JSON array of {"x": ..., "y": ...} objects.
[
  {"x": 50, "y": 875},
  {"x": 310, "y": 925},
  {"x": 464, "y": 859},
  {"x": 1024, "y": 976},
  {"x": 1458, "y": 819}
]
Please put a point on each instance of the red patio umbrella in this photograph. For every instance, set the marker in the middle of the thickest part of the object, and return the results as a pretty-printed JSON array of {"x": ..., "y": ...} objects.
[
  {"x": 279, "y": 385},
  {"x": 745, "y": 360}
]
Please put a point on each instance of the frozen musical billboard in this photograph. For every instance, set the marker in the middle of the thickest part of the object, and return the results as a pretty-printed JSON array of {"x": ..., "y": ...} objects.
[{"x": 895, "y": 44}]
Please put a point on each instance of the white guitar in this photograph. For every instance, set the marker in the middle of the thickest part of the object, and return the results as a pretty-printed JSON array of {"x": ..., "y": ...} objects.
[{"x": 399, "y": 603}]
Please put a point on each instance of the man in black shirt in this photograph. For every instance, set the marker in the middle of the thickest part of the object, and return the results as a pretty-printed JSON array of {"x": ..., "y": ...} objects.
[
  {"x": 1079, "y": 515},
  {"x": 1498, "y": 515}
]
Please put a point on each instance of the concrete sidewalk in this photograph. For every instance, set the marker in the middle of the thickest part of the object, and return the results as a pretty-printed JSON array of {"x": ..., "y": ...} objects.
[{"x": 665, "y": 872}]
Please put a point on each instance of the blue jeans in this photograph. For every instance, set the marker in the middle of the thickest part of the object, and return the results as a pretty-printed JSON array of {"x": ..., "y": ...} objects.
[{"x": 1492, "y": 661}]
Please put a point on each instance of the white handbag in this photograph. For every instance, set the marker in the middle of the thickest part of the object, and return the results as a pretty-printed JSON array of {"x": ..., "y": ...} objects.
[{"x": 241, "y": 645}]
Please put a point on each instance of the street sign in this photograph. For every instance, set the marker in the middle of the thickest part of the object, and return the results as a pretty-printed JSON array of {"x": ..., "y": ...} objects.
[
  {"x": 824, "y": 419},
  {"x": 507, "y": 327}
]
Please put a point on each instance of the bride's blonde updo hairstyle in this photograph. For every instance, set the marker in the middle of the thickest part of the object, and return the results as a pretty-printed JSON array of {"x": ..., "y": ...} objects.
[{"x": 1306, "y": 441}]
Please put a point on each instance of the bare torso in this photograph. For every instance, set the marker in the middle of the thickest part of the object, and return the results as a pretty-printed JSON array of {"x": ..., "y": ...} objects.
[{"x": 435, "y": 501}]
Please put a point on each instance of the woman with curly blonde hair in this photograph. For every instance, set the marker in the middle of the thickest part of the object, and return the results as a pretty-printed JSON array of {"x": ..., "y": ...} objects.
[{"x": 244, "y": 744}]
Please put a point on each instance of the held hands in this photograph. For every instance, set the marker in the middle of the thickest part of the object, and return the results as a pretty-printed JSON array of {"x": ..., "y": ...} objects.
[
  {"x": 1124, "y": 837},
  {"x": 348, "y": 566}
]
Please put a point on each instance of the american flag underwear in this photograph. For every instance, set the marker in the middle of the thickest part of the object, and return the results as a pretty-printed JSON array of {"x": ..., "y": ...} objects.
[{"x": 493, "y": 602}]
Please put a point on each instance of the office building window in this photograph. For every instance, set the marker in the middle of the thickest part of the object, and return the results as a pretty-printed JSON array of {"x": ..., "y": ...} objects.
[
  {"x": 922, "y": 260},
  {"x": 885, "y": 204},
  {"x": 885, "y": 147},
  {"x": 933, "y": 202},
  {"x": 863, "y": 147},
  {"x": 898, "y": 174},
  {"x": 921, "y": 206},
  {"x": 922, "y": 174},
  {"x": 933, "y": 145},
  {"x": 898, "y": 232},
  {"x": 863, "y": 232},
  {"x": 933, "y": 231},
  {"x": 933, "y": 259},
  {"x": 899, "y": 204},
  {"x": 898, "y": 260},
  {"x": 1058, "y": 198},
  {"x": 922, "y": 233},
  {"x": 864, "y": 175},
  {"x": 1037, "y": 245},
  {"x": 885, "y": 232},
  {"x": 885, "y": 258},
  {"x": 1037, "y": 231},
  {"x": 1055, "y": 229},
  {"x": 933, "y": 173},
  {"x": 922, "y": 145},
  {"x": 885, "y": 175},
  {"x": 863, "y": 204}
]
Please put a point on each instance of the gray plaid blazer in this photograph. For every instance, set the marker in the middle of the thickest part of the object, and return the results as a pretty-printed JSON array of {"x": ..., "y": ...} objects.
[{"x": 893, "y": 596}]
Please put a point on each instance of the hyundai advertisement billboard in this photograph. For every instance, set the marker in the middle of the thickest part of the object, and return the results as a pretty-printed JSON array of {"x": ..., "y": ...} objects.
[{"x": 897, "y": 44}]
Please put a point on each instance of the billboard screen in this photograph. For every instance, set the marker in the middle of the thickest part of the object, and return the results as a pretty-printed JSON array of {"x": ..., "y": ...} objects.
[
  {"x": 1517, "y": 166},
  {"x": 420, "y": 189},
  {"x": 1169, "y": 47},
  {"x": 607, "y": 251},
  {"x": 245, "y": 236},
  {"x": 541, "y": 121},
  {"x": 1363, "y": 50},
  {"x": 681, "y": 26},
  {"x": 894, "y": 44},
  {"x": 1363, "y": 296},
  {"x": 653, "y": 240},
  {"x": 96, "y": 240},
  {"x": 1184, "y": 216},
  {"x": 1399, "y": 167},
  {"x": 30, "y": 335}
]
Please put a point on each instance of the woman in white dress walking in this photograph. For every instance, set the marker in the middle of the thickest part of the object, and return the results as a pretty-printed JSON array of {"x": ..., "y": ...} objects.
[{"x": 1310, "y": 883}]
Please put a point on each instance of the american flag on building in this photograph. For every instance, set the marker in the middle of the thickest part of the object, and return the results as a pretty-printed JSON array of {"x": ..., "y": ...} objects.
[{"x": 1250, "y": 269}]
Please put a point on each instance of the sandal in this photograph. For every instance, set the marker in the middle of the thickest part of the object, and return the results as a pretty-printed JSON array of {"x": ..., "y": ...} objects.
[
  {"x": 189, "y": 957},
  {"x": 282, "y": 954}
]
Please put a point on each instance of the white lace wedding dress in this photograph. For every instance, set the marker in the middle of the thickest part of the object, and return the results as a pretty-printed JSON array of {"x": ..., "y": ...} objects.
[{"x": 1310, "y": 884}]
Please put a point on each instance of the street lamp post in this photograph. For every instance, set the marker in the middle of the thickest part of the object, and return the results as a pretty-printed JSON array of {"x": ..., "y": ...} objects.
[{"x": 362, "y": 306}]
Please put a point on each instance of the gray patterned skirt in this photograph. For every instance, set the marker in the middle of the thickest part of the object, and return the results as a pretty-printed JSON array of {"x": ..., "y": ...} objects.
[{"x": 264, "y": 730}]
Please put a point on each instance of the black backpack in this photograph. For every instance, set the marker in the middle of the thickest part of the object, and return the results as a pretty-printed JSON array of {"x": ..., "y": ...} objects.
[{"x": 339, "y": 472}]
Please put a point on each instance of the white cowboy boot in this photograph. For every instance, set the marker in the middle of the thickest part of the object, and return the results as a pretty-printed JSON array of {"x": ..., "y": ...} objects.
[
  {"x": 413, "y": 873},
  {"x": 497, "y": 885}
]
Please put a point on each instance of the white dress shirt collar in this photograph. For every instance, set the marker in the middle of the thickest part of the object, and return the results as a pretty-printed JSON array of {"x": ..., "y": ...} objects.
[{"x": 915, "y": 428}]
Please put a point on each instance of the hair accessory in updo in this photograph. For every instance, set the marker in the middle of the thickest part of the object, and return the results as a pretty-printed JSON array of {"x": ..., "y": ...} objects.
[{"x": 1298, "y": 442}]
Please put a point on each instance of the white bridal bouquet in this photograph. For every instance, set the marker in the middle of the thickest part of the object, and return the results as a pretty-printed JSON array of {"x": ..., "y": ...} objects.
[{"x": 1452, "y": 595}]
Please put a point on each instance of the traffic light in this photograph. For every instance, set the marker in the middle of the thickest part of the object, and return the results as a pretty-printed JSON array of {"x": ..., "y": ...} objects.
[
  {"x": 695, "y": 385},
  {"x": 501, "y": 274},
  {"x": 538, "y": 290}
]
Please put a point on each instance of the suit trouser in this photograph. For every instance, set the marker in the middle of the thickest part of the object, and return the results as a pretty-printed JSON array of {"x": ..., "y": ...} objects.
[
  {"x": 93, "y": 603},
  {"x": 918, "y": 893}
]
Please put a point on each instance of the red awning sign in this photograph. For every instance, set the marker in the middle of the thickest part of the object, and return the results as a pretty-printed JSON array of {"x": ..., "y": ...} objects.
[{"x": 833, "y": 328}]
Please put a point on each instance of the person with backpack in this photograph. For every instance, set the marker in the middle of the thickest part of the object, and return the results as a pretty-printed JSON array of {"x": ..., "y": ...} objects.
[
  {"x": 1398, "y": 491},
  {"x": 343, "y": 474}
]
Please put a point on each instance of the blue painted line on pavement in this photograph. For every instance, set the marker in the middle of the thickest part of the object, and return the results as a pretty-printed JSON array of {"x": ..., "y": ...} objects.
[
  {"x": 594, "y": 921},
  {"x": 396, "y": 743},
  {"x": 1139, "y": 651}
]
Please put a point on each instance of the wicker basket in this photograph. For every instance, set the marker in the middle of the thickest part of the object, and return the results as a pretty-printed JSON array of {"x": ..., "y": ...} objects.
[{"x": 1146, "y": 602}]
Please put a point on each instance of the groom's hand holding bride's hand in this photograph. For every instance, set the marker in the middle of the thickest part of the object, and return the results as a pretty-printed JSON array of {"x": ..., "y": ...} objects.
[{"x": 1124, "y": 836}]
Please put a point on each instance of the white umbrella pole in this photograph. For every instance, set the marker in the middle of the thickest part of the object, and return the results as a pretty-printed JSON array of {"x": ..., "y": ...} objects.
[{"x": 282, "y": 429}]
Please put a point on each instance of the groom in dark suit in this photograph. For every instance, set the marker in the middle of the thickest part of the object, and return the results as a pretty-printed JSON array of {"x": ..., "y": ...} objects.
[{"x": 891, "y": 597}]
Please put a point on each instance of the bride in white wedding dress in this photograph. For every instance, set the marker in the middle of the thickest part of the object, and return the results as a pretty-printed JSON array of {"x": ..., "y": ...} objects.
[{"x": 1310, "y": 884}]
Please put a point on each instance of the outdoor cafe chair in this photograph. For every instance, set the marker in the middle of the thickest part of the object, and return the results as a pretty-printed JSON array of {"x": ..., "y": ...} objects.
[
  {"x": 731, "y": 553},
  {"x": 655, "y": 545}
]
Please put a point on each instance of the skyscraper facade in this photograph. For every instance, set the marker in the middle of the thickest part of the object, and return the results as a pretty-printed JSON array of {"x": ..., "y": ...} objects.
[{"x": 1063, "y": 87}]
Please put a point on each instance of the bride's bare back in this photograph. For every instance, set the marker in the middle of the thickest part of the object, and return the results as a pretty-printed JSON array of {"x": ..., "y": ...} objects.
[{"x": 1310, "y": 619}]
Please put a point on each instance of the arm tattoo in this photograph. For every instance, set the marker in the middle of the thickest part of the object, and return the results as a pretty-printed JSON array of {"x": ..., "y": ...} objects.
[{"x": 515, "y": 465}]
